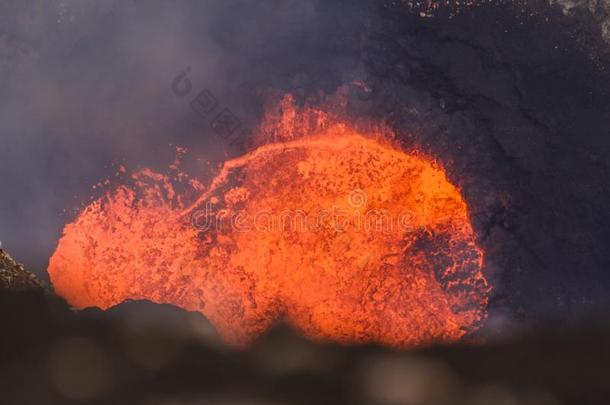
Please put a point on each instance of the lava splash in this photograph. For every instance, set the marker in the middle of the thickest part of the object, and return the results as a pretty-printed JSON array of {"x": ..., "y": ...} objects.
[{"x": 339, "y": 233}]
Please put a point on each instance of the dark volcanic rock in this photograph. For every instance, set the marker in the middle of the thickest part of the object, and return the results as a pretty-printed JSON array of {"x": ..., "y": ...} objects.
[
  {"x": 49, "y": 354},
  {"x": 15, "y": 277}
]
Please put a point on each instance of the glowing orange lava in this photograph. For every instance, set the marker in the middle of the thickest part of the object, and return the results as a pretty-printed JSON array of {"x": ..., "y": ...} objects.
[{"x": 339, "y": 233}]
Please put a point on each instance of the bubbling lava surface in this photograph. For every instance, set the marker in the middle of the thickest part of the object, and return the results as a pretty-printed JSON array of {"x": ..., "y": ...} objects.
[{"x": 339, "y": 233}]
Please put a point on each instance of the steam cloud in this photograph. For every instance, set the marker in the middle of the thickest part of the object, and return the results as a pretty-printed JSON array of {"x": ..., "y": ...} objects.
[{"x": 87, "y": 84}]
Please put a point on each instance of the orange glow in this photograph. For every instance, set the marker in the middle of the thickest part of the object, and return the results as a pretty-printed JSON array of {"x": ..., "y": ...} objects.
[{"x": 338, "y": 232}]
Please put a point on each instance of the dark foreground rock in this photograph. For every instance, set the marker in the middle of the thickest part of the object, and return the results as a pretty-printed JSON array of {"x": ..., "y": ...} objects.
[
  {"x": 15, "y": 277},
  {"x": 144, "y": 353}
]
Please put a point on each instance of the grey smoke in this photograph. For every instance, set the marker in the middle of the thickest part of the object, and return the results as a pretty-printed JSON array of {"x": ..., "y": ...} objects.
[{"x": 86, "y": 84}]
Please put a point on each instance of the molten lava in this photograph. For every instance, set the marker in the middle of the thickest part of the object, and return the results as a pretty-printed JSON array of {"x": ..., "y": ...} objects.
[{"x": 339, "y": 233}]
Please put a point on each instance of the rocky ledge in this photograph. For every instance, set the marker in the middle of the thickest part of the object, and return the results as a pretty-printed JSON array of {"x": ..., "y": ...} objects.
[{"x": 15, "y": 277}]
